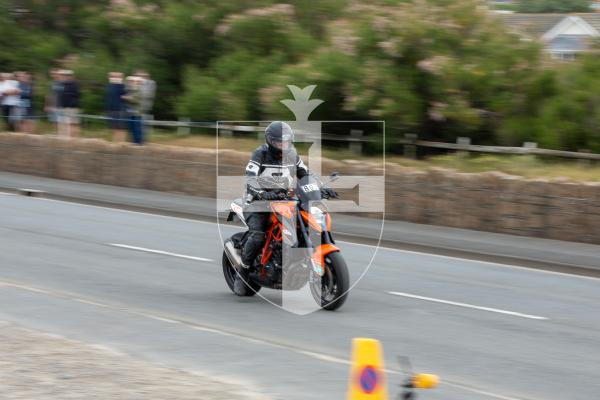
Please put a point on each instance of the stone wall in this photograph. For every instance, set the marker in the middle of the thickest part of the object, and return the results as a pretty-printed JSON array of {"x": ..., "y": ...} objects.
[{"x": 492, "y": 201}]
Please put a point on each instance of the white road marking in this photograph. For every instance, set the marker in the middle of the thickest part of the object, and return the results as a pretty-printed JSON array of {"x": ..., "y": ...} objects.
[
  {"x": 238, "y": 336},
  {"x": 511, "y": 266},
  {"x": 465, "y": 305},
  {"x": 161, "y": 252},
  {"x": 123, "y": 210},
  {"x": 167, "y": 320},
  {"x": 478, "y": 391},
  {"x": 494, "y": 264}
]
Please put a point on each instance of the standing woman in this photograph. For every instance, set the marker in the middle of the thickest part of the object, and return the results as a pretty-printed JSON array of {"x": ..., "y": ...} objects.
[{"x": 27, "y": 118}]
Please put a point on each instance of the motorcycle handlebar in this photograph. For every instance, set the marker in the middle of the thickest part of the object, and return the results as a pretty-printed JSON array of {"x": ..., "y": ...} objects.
[{"x": 289, "y": 196}]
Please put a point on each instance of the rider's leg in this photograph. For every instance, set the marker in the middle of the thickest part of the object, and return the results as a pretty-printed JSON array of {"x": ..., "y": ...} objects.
[{"x": 257, "y": 225}]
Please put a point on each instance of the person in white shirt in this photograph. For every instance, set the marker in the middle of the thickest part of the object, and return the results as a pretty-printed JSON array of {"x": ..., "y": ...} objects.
[{"x": 10, "y": 100}]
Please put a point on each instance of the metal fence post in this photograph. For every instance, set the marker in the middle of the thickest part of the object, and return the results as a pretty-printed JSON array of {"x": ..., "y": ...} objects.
[{"x": 356, "y": 145}]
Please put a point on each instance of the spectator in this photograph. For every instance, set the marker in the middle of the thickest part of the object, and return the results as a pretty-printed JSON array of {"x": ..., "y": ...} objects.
[
  {"x": 148, "y": 88},
  {"x": 69, "y": 100},
  {"x": 53, "y": 107},
  {"x": 115, "y": 105},
  {"x": 26, "y": 116},
  {"x": 134, "y": 109},
  {"x": 9, "y": 92}
]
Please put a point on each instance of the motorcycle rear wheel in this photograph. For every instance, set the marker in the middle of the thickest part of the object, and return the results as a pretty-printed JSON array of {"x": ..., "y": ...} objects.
[
  {"x": 229, "y": 272},
  {"x": 335, "y": 283}
]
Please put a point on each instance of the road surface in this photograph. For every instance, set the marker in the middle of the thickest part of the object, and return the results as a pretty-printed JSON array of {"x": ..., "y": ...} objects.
[{"x": 152, "y": 287}]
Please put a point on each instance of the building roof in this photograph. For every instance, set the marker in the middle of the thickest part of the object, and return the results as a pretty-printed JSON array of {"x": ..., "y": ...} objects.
[{"x": 536, "y": 25}]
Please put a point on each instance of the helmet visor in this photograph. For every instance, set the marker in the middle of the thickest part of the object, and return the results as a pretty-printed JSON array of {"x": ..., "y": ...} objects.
[{"x": 281, "y": 144}]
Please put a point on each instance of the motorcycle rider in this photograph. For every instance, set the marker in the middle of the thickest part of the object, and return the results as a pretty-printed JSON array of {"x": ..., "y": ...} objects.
[{"x": 277, "y": 159}]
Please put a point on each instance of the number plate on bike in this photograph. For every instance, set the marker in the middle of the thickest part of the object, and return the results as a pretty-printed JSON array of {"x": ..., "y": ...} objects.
[{"x": 311, "y": 187}]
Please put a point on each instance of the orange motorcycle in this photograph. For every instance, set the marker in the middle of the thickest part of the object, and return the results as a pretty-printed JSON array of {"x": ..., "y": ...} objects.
[{"x": 299, "y": 248}]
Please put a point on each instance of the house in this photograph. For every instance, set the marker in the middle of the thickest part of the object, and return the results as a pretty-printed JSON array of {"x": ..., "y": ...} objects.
[{"x": 564, "y": 35}]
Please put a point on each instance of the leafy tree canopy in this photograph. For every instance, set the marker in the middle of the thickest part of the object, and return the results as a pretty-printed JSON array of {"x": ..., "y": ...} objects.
[{"x": 438, "y": 68}]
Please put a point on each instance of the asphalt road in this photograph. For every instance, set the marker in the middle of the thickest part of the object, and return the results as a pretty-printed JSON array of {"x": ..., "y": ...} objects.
[{"x": 490, "y": 331}]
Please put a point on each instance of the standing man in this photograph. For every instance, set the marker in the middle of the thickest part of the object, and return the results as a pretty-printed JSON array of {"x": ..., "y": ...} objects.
[
  {"x": 115, "y": 105},
  {"x": 148, "y": 89},
  {"x": 52, "y": 106},
  {"x": 9, "y": 92},
  {"x": 70, "y": 100},
  {"x": 26, "y": 116},
  {"x": 134, "y": 108}
]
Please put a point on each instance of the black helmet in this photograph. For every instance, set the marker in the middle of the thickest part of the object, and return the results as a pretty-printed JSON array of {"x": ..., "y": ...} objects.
[{"x": 279, "y": 137}]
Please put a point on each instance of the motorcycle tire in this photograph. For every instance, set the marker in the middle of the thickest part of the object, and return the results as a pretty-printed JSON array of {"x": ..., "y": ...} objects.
[
  {"x": 229, "y": 272},
  {"x": 335, "y": 283}
]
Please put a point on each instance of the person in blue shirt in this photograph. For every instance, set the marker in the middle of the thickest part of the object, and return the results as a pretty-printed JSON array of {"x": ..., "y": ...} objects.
[{"x": 116, "y": 105}]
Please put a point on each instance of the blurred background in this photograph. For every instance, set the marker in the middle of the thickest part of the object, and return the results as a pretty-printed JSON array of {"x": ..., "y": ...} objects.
[{"x": 438, "y": 69}]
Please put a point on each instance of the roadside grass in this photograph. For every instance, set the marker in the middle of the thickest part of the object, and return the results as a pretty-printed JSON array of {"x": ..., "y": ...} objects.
[{"x": 522, "y": 165}]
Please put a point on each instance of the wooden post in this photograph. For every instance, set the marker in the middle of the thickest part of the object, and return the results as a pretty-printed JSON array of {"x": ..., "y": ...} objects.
[
  {"x": 184, "y": 126},
  {"x": 584, "y": 162},
  {"x": 356, "y": 146},
  {"x": 261, "y": 133},
  {"x": 530, "y": 145},
  {"x": 465, "y": 141},
  {"x": 410, "y": 148}
]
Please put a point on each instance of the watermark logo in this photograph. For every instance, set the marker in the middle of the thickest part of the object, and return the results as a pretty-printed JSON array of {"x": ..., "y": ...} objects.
[
  {"x": 298, "y": 257},
  {"x": 302, "y": 106}
]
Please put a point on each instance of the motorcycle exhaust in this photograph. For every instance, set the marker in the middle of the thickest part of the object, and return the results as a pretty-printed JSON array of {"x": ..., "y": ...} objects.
[{"x": 234, "y": 255}]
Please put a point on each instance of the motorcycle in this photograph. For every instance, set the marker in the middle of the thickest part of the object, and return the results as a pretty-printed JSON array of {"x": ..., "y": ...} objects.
[{"x": 297, "y": 221}]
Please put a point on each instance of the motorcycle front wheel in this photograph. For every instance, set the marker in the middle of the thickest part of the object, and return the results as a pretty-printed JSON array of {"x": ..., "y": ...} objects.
[{"x": 334, "y": 284}]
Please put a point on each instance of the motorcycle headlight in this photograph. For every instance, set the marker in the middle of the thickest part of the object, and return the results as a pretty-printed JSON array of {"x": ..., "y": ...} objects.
[{"x": 318, "y": 215}]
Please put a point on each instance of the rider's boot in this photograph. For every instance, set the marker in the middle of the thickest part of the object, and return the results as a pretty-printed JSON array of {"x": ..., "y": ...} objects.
[{"x": 252, "y": 247}]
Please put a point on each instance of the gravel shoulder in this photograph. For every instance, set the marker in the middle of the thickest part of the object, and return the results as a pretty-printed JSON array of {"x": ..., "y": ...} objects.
[{"x": 37, "y": 365}]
